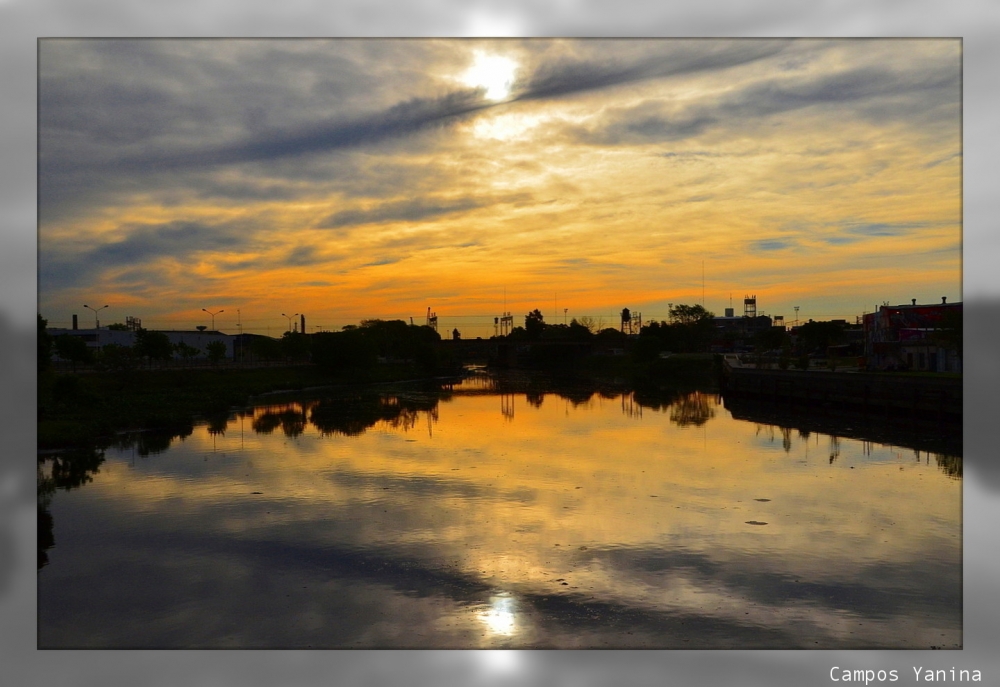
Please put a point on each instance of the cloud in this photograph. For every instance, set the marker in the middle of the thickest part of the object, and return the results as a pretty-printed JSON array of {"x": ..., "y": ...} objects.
[
  {"x": 883, "y": 228},
  {"x": 874, "y": 92},
  {"x": 301, "y": 256},
  {"x": 122, "y": 112},
  {"x": 405, "y": 118},
  {"x": 382, "y": 261},
  {"x": 144, "y": 243},
  {"x": 772, "y": 244},
  {"x": 400, "y": 211},
  {"x": 656, "y": 59}
]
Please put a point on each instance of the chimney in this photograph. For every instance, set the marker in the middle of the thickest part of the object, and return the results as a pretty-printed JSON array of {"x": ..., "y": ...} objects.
[
  {"x": 913, "y": 301},
  {"x": 944, "y": 300},
  {"x": 303, "y": 327},
  {"x": 74, "y": 322}
]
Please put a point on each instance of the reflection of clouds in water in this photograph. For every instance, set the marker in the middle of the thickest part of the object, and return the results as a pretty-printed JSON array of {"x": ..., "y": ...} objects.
[
  {"x": 500, "y": 618},
  {"x": 568, "y": 494}
]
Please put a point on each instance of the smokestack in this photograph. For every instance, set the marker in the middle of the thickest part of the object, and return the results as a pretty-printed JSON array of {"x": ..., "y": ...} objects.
[
  {"x": 944, "y": 300},
  {"x": 913, "y": 301},
  {"x": 74, "y": 322},
  {"x": 302, "y": 328}
]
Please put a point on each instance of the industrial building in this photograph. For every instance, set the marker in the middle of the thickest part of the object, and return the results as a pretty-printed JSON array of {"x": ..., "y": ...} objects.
[{"x": 914, "y": 337}]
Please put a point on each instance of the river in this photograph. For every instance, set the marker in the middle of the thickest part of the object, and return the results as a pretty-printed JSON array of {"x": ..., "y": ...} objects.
[{"x": 500, "y": 515}]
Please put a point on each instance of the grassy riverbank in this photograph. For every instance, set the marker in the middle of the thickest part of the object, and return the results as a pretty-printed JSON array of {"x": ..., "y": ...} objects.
[{"x": 79, "y": 409}]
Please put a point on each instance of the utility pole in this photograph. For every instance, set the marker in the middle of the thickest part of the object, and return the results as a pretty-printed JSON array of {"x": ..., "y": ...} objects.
[
  {"x": 213, "y": 314},
  {"x": 97, "y": 325},
  {"x": 239, "y": 327}
]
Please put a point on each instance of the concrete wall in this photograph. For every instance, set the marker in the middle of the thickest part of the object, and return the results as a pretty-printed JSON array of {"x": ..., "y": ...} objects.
[{"x": 938, "y": 396}]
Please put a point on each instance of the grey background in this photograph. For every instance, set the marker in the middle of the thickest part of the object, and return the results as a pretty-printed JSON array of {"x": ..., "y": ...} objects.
[{"x": 22, "y": 21}]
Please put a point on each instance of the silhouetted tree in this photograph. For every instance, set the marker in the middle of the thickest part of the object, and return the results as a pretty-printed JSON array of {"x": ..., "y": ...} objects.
[
  {"x": 216, "y": 351},
  {"x": 186, "y": 351},
  {"x": 152, "y": 345},
  {"x": 691, "y": 328},
  {"x": 44, "y": 345},
  {"x": 295, "y": 346},
  {"x": 117, "y": 358},
  {"x": 265, "y": 348},
  {"x": 345, "y": 350},
  {"x": 73, "y": 349},
  {"x": 534, "y": 324},
  {"x": 689, "y": 314},
  {"x": 578, "y": 331}
]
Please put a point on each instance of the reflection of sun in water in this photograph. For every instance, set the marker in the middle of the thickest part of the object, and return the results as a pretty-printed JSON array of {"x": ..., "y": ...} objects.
[
  {"x": 500, "y": 617},
  {"x": 491, "y": 72}
]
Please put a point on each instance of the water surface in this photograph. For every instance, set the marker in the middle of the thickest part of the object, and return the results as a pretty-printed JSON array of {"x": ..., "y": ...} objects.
[{"x": 488, "y": 517}]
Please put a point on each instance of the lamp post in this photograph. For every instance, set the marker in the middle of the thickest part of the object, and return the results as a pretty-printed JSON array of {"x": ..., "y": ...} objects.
[
  {"x": 213, "y": 314},
  {"x": 289, "y": 319},
  {"x": 97, "y": 325}
]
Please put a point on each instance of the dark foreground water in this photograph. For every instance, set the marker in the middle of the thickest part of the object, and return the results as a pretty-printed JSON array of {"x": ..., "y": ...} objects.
[{"x": 486, "y": 517}]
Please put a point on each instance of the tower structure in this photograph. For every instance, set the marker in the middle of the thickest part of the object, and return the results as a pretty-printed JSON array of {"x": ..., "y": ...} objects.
[
  {"x": 636, "y": 325},
  {"x": 432, "y": 319},
  {"x": 750, "y": 306},
  {"x": 506, "y": 323}
]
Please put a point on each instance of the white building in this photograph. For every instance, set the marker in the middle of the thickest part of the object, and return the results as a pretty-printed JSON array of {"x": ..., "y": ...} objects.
[{"x": 99, "y": 338}]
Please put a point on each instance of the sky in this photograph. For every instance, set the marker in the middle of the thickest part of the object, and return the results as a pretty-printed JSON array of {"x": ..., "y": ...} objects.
[{"x": 356, "y": 179}]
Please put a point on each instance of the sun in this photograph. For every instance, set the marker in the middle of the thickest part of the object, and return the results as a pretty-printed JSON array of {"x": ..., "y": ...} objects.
[{"x": 493, "y": 73}]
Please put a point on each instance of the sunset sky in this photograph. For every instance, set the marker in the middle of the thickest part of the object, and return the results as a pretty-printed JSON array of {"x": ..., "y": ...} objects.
[{"x": 353, "y": 179}]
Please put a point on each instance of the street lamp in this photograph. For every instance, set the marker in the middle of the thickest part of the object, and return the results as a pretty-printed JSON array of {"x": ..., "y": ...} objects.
[
  {"x": 290, "y": 320},
  {"x": 97, "y": 325},
  {"x": 213, "y": 314}
]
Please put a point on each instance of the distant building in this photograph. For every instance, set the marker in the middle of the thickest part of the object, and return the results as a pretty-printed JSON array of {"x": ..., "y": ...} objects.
[
  {"x": 99, "y": 338},
  {"x": 736, "y": 332},
  {"x": 913, "y": 337}
]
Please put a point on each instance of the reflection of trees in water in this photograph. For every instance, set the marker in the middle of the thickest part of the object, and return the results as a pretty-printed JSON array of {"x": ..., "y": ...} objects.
[
  {"x": 535, "y": 398},
  {"x": 694, "y": 409},
  {"x": 687, "y": 409},
  {"x": 834, "y": 448},
  {"x": 950, "y": 465},
  {"x": 507, "y": 407},
  {"x": 577, "y": 396},
  {"x": 46, "y": 535},
  {"x": 291, "y": 417},
  {"x": 66, "y": 471},
  {"x": 352, "y": 415},
  {"x": 217, "y": 423},
  {"x": 631, "y": 407},
  {"x": 942, "y": 439},
  {"x": 152, "y": 441}
]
